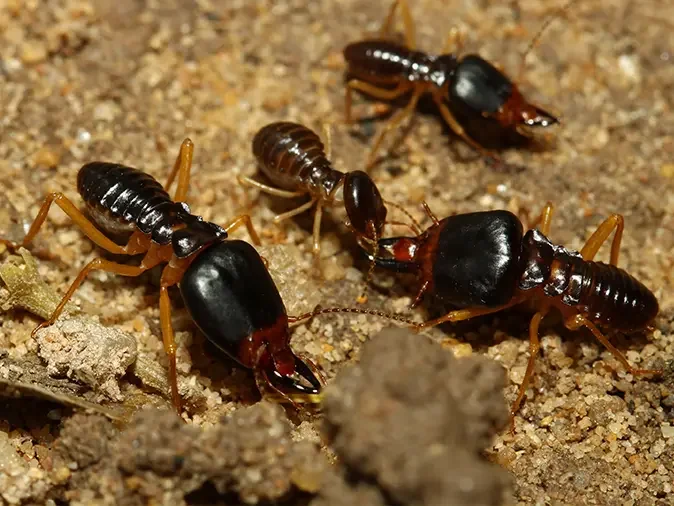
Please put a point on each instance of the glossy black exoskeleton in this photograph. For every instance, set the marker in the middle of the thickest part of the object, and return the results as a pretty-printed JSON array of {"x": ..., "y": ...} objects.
[
  {"x": 466, "y": 260},
  {"x": 224, "y": 283},
  {"x": 482, "y": 263},
  {"x": 233, "y": 300},
  {"x": 465, "y": 88}
]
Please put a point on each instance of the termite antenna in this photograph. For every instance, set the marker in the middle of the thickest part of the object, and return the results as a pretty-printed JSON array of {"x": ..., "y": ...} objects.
[
  {"x": 327, "y": 137},
  {"x": 353, "y": 310},
  {"x": 538, "y": 35},
  {"x": 362, "y": 298},
  {"x": 429, "y": 213},
  {"x": 416, "y": 227}
]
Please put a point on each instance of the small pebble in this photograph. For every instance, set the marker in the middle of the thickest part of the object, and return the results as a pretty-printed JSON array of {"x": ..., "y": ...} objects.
[{"x": 33, "y": 52}]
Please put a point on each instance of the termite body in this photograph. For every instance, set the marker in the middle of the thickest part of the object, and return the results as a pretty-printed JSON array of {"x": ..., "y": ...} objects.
[
  {"x": 465, "y": 88},
  {"x": 294, "y": 159},
  {"x": 482, "y": 263},
  {"x": 225, "y": 284}
]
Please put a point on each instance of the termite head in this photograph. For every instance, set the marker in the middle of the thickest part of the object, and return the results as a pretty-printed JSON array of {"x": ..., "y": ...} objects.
[
  {"x": 364, "y": 207},
  {"x": 483, "y": 90},
  {"x": 233, "y": 300}
]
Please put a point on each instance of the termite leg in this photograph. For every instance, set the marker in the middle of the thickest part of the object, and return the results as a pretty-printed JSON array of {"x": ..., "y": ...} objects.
[
  {"x": 392, "y": 124},
  {"x": 169, "y": 344},
  {"x": 182, "y": 168},
  {"x": 294, "y": 212},
  {"x": 408, "y": 23},
  {"x": 578, "y": 321},
  {"x": 458, "y": 129},
  {"x": 327, "y": 135},
  {"x": 465, "y": 314},
  {"x": 454, "y": 42},
  {"x": 247, "y": 181},
  {"x": 601, "y": 235},
  {"x": 100, "y": 265},
  {"x": 318, "y": 217},
  {"x": 544, "y": 219},
  {"x": 534, "y": 348},
  {"x": 243, "y": 219},
  {"x": 78, "y": 218},
  {"x": 138, "y": 243},
  {"x": 171, "y": 275},
  {"x": 373, "y": 91},
  {"x": 388, "y": 22}
]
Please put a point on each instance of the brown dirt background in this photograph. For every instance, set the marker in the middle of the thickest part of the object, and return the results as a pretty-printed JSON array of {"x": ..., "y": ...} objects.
[{"x": 126, "y": 81}]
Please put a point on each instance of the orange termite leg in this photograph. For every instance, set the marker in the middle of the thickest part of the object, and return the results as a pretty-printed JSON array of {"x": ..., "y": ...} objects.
[
  {"x": 458, "y": 130},
  {"x": 373, "y": 91},
  {"x": 392, "y": 124},
  {"x": 182, "y": 167},
  {"x": 601, "y": 235},
  {"x": 578, "y": 321},
  {"x": 243, "y": 219},
  {"x": 78, "y": 218}
]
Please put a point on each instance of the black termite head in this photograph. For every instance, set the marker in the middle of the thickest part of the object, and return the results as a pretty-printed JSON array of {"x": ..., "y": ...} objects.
[
  {"x": 364, "y": 205},
  {"x": 466, "y": 260},
  {"x": 479, "y": 88},
  {"x": 476, "y": 258},
  {"x": 233, "y": 300}
]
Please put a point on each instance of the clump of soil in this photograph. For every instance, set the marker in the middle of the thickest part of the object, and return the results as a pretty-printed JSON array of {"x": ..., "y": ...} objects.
[
  {"x": 249, "y": 455},
  {"x": 410, "y": 424}
]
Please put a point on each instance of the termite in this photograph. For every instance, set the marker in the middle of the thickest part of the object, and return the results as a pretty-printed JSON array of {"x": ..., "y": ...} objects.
[
  {"x": 482, "y": 263},
  {"x": 295, "y": 160},
  {"x": 467, "y": 84}
]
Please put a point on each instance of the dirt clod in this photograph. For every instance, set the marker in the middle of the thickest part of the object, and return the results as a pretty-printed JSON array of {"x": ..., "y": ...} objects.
[
  {"x": 88, "y": 352},
  {"x": 249, "y": 454},
  {"x": 414, "y": 420},
  {"x": 85, "y": 439}
]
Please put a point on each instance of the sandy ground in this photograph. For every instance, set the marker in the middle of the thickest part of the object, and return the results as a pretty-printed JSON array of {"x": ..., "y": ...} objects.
[{"x": 126, "y": 81}]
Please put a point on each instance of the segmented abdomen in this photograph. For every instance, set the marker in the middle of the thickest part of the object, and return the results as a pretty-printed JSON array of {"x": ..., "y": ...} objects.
[
  {"x": 611, "y": 296},
  {"x": 291, "y": 155},
  {"x": 383, "y": 61},
  {"x": 120, "y": 196}
]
